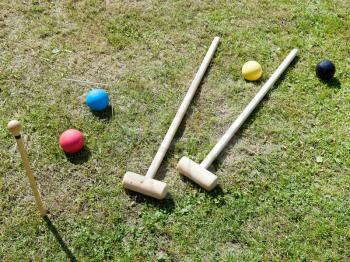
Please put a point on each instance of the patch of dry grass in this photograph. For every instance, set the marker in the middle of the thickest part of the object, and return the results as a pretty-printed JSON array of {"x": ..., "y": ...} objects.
[{"x": 283, "y": 194}]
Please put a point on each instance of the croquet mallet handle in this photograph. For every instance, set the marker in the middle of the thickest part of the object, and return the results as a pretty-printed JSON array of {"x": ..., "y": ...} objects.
[
  {"x": 15, "y": 128},
  {"x": 182, "y": 110},
  {"x": 221, "y": 144}
]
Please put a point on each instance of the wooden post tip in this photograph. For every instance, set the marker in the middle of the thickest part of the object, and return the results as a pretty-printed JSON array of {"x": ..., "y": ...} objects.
[
  {"x": 14, "y": 127},
  {"x": 83, "y": 99}
]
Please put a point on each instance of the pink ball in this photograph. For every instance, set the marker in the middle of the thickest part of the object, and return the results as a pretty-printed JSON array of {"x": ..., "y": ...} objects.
[{"x": 71, "y": 141}]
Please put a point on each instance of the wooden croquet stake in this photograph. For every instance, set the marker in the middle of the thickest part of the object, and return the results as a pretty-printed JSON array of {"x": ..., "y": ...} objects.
[{"x": 15, "y": 128}]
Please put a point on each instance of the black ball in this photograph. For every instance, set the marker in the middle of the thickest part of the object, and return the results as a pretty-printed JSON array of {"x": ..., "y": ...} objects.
[{"x": 325, "y": 70}]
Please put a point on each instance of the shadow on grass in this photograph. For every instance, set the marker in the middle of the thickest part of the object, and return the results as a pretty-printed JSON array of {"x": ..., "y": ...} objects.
[
  {"x": 217, "y": 191},
  {"x": 167, "y": 204},
  {"x": 283, "y": 76},
  {"x": 333, "y": 83},
  {"x": 79, "y": 158},
  {"x": 59, "y": 239},
  {"x": 258, "y": 82},
  {"x": 105, "y": 114}
]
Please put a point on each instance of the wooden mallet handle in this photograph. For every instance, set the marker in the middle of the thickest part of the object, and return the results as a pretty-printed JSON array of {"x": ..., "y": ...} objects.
[
  {"x": 15, "y": 128},
  {"x": 182, "y": 110},
  {"x": 221, "y": 144}
]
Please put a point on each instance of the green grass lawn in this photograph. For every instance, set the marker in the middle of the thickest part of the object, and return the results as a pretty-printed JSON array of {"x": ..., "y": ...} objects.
[{"x": 284, "y": 180}]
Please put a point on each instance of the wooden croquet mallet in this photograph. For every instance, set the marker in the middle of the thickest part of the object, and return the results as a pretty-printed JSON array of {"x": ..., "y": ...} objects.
[
  {"x": 147, "y": 185},
  {"x": 15, "y": 128}
]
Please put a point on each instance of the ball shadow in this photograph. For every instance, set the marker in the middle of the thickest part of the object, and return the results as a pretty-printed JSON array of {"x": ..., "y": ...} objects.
[
  {"x": 105, "y": 114},
  {"x": 332, "y": 83},
  {"x": 79, "y": 158},
  {"x": 256, "y": 82}
]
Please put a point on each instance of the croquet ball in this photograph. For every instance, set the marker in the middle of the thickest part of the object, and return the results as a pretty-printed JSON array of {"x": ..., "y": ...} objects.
[
  {"x": 71, "y": 141},
  {"x": 251, "y": 70},
  {"x": 325, "y": 70},
  {"x": 97, "y": 99}
]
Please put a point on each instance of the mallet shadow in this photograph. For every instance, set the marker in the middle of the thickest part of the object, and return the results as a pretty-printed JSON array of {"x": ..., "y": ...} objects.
[
  {"x": 59, "y": 239},
  {"x": 217, "y": 191},
  {"x": 167, "y": 204},
  {"x": 238, "y": 136}
]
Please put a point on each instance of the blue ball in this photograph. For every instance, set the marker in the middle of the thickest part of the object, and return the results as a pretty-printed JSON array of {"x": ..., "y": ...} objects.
[{"x": 97, "y": 99}]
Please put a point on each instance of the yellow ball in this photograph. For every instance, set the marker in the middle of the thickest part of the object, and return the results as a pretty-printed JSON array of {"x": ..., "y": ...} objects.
[{"x": 251, "y": 70}]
